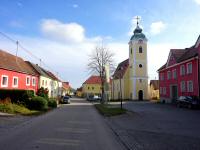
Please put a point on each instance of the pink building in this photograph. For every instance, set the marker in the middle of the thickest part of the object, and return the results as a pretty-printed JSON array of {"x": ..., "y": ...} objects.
[
  {"x": 180, "y": 75},
  {"x": 15, "y": 73}
]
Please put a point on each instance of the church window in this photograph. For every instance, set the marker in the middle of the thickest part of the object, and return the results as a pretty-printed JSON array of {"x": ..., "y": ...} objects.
[
  {"x": 140, "y": 49},
  {"x": 140, "y": 80},
  {"x": 131, "y": 51},
  {"x": 140, "y": 65}
]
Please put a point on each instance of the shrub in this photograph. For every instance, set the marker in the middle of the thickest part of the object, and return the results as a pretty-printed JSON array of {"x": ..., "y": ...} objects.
[
  {"x": 16, "y": 96},
  {"x": 43, "y": 92},
  {"x": 38, "y": 103},
  {"x": 52, "y": 103}
]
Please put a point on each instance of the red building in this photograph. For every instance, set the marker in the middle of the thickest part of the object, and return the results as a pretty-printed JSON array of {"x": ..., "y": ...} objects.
[
  {"x": 180, "y": 75},
  {"x": 15, "y": 73}
]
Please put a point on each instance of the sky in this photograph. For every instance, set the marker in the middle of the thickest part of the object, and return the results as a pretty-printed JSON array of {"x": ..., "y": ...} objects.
[{"x": 63, "y": 33}]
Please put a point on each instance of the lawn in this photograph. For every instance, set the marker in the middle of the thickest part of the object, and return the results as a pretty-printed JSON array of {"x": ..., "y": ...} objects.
[
  {"x": 17, "y": 109},
  {"x": 109, "y": 110}
]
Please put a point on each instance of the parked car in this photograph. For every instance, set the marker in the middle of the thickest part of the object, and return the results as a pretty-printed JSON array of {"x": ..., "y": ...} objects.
[
  {"x": 66, "y": 100},
  {"x": 188, "y": 101},
  {"x": 93, "y": 98}
]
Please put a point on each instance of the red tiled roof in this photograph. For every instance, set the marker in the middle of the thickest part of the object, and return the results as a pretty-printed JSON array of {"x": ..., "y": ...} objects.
[
  {"x": 184, "y": 54},
  {"x": 121, "y": 69},
  {"x": 93, "y": 80},
  {"x": 66, "y": 85},
  {"x": 155, "y": 84},
  {"x": 13, "y": 63}
]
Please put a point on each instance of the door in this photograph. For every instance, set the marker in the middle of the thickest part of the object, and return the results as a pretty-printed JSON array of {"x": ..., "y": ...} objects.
[
  {"x": 174, "y": 93},
  {"x": 140, "y": 95}
]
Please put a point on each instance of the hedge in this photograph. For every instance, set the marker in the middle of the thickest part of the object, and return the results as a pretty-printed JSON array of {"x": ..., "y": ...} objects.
[
  {"x": 16, "y": 96},
  {"x": 37, "y": 103},
  {"x": 52, "y": 103}
]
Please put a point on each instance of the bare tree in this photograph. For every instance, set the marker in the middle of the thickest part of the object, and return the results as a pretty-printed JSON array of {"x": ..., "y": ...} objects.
[{"x": 97, "y": 61}]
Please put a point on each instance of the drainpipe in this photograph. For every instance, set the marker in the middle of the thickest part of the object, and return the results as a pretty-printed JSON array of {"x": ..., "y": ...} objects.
[{"x": 198, "y": 73}]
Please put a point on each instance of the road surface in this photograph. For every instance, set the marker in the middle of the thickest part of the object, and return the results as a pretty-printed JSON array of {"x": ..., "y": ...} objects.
[{"x": 77, "y": 126}]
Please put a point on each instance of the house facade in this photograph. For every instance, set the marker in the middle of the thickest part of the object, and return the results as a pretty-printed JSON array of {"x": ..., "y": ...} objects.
[
  {"x": 154, "y": 89},
  {"x": 130, "y": 80},
  {"x": 180, "y": 75},
  {"x": 65, "y": 88},
  {"x": 92, "y": 86},
  {"x": 45, "y": 80},
  {"x": 15, "y": 73}
]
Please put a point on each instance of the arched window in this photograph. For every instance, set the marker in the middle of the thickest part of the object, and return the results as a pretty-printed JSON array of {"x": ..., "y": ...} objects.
[
  {"x": 140, "y": 65},
  {"x": 140, "y": 49},
  {"x": 131, "y": 51}
]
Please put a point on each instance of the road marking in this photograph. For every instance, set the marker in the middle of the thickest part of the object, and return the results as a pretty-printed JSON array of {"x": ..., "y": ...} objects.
[
  {"x": 59, "y": 142},
  {"x": 73, "y": 130}
]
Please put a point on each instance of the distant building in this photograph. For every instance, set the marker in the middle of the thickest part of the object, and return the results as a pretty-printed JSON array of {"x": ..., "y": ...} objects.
[
  {"x": 45, "y": 80},
  {"x": 92, "y": 86},
  {"x": 154, "y": 89},
  {"x": 65, "y": 88},
  {"x": 79, "y": 92},
  {"x": 130, "y": 80},
  {"x": 180, "y": 75},
  {"x": 15, "y": 73}
]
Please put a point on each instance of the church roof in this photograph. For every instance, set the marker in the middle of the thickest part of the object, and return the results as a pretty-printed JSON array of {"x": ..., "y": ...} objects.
[
  {"x": 138, "y": 34},
  {"x": 121, "y": 69}
]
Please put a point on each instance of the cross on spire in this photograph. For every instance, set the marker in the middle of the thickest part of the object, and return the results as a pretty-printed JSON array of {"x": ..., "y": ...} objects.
[{"x": 137, "y": 18}]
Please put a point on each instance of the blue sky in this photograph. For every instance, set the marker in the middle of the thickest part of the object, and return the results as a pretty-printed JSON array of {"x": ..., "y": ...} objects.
[{"x": 64, "y": 32}]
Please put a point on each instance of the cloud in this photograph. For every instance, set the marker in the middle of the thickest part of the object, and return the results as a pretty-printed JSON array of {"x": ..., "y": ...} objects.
[
  {"x": 197, "y": 1},
  {"x": 66, "y": 32},
  {"x": 75, "y": 6},
  {"x": 157, "y": 27}
]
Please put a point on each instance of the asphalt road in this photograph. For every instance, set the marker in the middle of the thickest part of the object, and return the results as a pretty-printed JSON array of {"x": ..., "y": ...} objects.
[{"x": 70, "y": 127}]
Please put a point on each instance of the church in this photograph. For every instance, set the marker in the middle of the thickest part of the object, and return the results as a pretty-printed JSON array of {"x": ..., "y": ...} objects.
[{"x": 130, "y": 79}]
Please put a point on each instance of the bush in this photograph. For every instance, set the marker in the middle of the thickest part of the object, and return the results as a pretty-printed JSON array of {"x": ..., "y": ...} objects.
[
  {"x": 43, "y": 92},
  {"x": 37, "y": 103},
  {"x": 16, "y": 96},
  {"x": 52, "y": 103}
]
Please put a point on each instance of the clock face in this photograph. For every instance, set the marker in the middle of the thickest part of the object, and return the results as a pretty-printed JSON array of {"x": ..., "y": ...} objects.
[{"x": 140, "y": 41}]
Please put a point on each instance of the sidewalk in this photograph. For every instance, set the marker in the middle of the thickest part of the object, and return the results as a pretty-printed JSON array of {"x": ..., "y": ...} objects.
[{"x": 6, "y": 114}]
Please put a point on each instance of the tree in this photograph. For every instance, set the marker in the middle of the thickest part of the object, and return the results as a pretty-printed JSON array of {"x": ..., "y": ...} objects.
[{"x": 100, "y": 57}]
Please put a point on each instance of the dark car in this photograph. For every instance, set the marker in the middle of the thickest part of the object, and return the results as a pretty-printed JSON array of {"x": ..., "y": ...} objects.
[
  {"x": 66, "y": 100},
  {"x": 188, "y": 101},
  {"x": 93, "y": 98}
]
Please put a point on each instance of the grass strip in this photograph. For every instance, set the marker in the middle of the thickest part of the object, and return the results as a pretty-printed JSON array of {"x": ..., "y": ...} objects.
[{"x": 108, "y": 111}]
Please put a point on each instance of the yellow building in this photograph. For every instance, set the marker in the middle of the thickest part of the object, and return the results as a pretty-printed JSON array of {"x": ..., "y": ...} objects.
[
  {"x": 130, "y": 80},
  {"x": 154, "y": 89},
  {"x": 92, "y": 86},
  {"x": 79, "y": 92}
]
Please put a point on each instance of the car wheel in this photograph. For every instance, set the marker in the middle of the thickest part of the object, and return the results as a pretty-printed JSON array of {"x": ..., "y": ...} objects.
[
  {"x": 190, "y": 106},
  {"x": 178, "y": 105}
]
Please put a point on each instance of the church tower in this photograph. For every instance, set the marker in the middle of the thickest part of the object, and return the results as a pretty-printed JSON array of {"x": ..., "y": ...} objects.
[{"x": 138, "y": 65}]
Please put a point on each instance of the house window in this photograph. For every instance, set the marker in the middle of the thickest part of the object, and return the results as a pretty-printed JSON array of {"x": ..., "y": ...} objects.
[
  {"x": 28, "y": 78},
  {"x": 168, "y": 75},
  {"x": 140, "y": 49},
  {"x": 88, "y": 87},
  {"x": 160, "y": 90},
  {"x": 140, "y": 65},
  {"x": 189, "y": 68},
  {"x": 15, "y": 82},
  {"x": 190, "y": 86},
  {"x": 161, "y": 76},
  {"x": 43, "y": 82},
  {"x": 46, "y": 83},
  {"x": 164, "y": 90},
  {"x": 4, "y": 81},
  {"x": 174, "y": 73},
  {"x": 182, "y": 70},
  {"x": 33, "y": 81},
  {"x": 182, "y": 86},
  {"x": 92, "y": 88}
]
